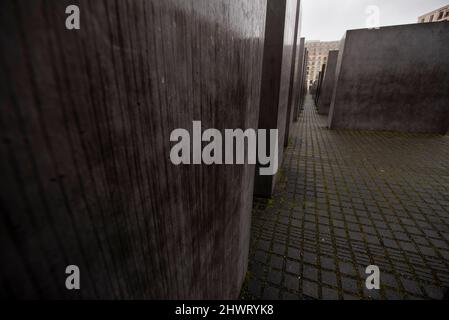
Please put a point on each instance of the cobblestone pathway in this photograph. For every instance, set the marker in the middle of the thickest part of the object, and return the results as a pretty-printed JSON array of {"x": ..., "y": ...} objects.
[{"x": 346, "y": 200}]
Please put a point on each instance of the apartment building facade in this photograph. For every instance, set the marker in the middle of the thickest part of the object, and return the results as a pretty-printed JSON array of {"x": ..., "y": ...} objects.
[
  {"x": 441, "y": 14},
  {"x": 317, "y": 56}
]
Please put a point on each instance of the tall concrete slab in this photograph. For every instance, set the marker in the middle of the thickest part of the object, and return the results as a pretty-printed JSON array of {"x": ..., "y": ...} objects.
[
  {"x": 327, "y": 86},
  {"x": 319, "y": 84},
  {"x": 393, "y": 79},
  {"x": 304, "y": 87},
  {"x": 299, "y": 79},
  {"x": 86, "y": 117},
  {"x": 313, "y": 87},
  {"x": 276, "y": 78},
  {"x": 295, "y": 65}
]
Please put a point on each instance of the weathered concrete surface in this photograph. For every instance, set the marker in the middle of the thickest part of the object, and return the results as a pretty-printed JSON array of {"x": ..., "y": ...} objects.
[
  {"x": 276, "y": 76},
  {"x": 394, "y": 79},
  {"x": 305, "y": 87},
  {"x": 296, "y": 61},
  {"x": 319, "y": 84},
  {"x": 85, "y": 122},
  {"x": 304, "y": 83},
  {"x": 327, "y": 86},
  {"x": 314, "y": 88},
  {"x": 300, "y": 73}
]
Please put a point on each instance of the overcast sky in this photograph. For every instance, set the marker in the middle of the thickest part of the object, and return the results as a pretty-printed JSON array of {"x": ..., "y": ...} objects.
[{"x": 329, "y": 19}]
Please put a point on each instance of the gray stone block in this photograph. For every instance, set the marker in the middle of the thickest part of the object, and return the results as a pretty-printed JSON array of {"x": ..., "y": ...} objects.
[
  {"x": 319, "y": 84},
  {"x": 281, "y": 25},
  {"x": 300, "y": 77},
  {"x": 296, "y": 64},
  {"x": 327, "y": 87},
  {"x": 85, "y": 153},
  {"x": 393, "y": 79}
]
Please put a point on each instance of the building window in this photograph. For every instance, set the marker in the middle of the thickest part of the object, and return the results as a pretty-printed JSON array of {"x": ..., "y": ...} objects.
[
  {"x": 431, "y": 18},
  {"x": 447, "y": 14},
  {"x": 440, "y": 15}
]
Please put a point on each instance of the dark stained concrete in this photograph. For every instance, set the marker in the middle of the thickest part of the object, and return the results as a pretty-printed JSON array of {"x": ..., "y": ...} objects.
[
  {"x": 304, "y": 88},
  {"x": 276, "y": 77},
  {"x": 293, "y": 91},
  {"x": 300, "y": 76},
  {"x": 394, "y": 79},
  {"x": 327, "y": 86},
  {"x": 319, "y": 83},
  {"x": 313, "y": 88},
  {"x": 85, "y": 143}
]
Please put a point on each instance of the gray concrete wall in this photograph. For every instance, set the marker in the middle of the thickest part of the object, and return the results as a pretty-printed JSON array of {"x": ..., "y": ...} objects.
[
  {"x": 277, "y": 60},
  {"x": 319, "y": 84},
  {"x": 327, "y": 86},
  {"x": 85, "y": 151},
  {"x": 304, "y": 80},
  {"x": 313, "y": 88},
  {"x": 304, "y": 87},
  {"x": 295, "y": 65},
  {"x": 300, "y": 73},
  {"x": 394, "y": 79}
]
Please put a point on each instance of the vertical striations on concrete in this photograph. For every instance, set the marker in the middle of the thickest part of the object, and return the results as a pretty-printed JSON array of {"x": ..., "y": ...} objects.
[
  {"x": 295, "y": 65},
  {"x": 319, "y": 84},
  {"x": 85, "y": 151},
  {"x": 300, "y": 76}
]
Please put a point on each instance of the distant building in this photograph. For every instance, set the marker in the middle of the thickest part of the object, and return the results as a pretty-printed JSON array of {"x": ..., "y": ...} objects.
[
  {"x": 317, "y": 56},
  {"x": 440, "y": 14}
]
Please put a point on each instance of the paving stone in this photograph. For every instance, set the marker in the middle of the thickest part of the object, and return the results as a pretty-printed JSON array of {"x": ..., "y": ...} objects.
[
  {"x": 294, "y": 253},
  {"x": 411, "y": 286},
  {"x": 276, "y": 262},
  {"x": 390, "y": 243},
  {"x": 291, "y": 282},
  {"x": 270, "y": 293},
  {"x": 309, "y": 257},
  {"x": 310, "y": 289},
  {"x": 329, "y": 278},
  {"x": 407, "y": 246},
  {"x": 347, "y": 268},
  {"x": 274, "y": 277},
  {"x": 255, "y": 287},
  {"x": 289, "y": 296},
  {"x": 347, "y": 296},
  {"x": 434, "y": 292},
  {"x": 372, "y": 239},
  {"x": 310, "y": 272},
  {"x": 393, "y": 295},
  {"x": 349, "y": 284},
  {"x": 329, "y": 294},
  {"x": 257, "y": 269},
  {"x": 415, "y": 298},
  {"x": 388, "y": 279},
  {"x": 279, "y": 248},
  {"x": 372, "y": 294},
  {"x": 263, "y": 245},
  {"x": 292, "y": 267}
]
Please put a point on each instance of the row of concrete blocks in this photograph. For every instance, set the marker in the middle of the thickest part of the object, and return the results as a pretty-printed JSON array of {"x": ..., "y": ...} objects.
[
  {"x": 86, "y": 122},
  {"x": 389, "y": 79},
  {"x": 283, "y": 79}
]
